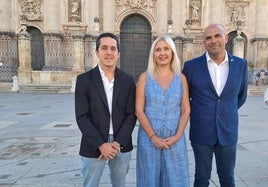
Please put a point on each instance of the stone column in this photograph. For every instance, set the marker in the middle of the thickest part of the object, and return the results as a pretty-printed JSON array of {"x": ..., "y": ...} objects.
[
  {"x": 188, "y": 49},
  {"x": 178, "y": 16},
  {"x": 53, "y": 16},
  {"x": 239, "y": 46},
  {"x": 108, "y": 16},
  {"x": 93, "y": 7},
  {"x": 24, "y": 49},
  {"x": 260, "y": 56},
  {"x": 213, "y": 10},
  {"x": 162, "y": 17},
  {"x": 261, "y": 29},
  {"x": 95, "y": 59},
  {"x": 79, "y": 54},
  {"x": 5, "y": 15}
]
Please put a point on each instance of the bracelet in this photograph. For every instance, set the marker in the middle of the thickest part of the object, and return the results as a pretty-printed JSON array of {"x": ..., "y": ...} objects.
[{"x": 152, "y": 135}]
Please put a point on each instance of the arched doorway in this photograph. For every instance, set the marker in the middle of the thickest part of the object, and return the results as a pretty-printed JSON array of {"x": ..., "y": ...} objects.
[
  {"x": 37, "y": 48},
  {"x": 135, "y": 43},
  {"x": 230, "y": 45}
]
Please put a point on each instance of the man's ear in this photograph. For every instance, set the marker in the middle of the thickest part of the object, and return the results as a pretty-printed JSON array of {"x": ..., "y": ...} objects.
[{"x": 226, "y": 39}]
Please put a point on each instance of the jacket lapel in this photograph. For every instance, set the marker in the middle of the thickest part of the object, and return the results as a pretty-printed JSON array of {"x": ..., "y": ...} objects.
[
  {"x": 204, "y": 67},
  {"x": 98, "y": 82},
  {"x": 230, "y": 73},
  {"x": 117, "y": 85}
]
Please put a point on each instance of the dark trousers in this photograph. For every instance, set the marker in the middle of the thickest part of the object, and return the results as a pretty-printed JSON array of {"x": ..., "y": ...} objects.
[{"x": 225, "y": 160}]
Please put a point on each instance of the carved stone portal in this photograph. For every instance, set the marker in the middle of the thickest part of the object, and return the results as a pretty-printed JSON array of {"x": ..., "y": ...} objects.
[
  {"x": 236, "y": 12},
  {"x": 31, "y": 10},
  {"x": 147, "y": 5},
  {"x": 74, "y": 7},
  {"x": 195, "y": 12}
]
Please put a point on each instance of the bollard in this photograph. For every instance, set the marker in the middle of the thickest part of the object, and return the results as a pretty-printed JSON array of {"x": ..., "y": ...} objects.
[
  {"x": 15, "y": 87},
  {"x": 73, "y": 84}
]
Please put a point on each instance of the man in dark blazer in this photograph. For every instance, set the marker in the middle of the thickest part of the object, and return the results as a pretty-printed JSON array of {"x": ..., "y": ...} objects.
[
  {"x": 105, "y": 114},
  {"x": 217, "y": 89}
]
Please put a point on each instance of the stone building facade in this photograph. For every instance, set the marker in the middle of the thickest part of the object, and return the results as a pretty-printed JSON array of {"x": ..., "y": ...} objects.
[{"x": 49, "y": 42}]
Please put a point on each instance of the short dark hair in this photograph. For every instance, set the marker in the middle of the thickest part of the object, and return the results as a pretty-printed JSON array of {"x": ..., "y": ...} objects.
[{"x": 104, "y": 35}]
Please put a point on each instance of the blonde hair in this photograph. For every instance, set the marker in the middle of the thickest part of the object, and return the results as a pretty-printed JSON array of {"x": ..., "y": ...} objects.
[{"x": 175, "y": 62}]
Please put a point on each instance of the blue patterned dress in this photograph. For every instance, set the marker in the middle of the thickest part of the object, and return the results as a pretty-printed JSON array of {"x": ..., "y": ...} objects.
[{"x": 158, "y": 167}]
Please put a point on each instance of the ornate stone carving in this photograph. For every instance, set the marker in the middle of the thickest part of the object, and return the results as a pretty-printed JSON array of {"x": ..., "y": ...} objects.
[
  {"x": 74, "y": 10},
  {"x": 236, "y": 11},
  {"x": 31, "y": 10},
  {"x": 195, "y": 9},
  {"x": 148, "y": 5}
]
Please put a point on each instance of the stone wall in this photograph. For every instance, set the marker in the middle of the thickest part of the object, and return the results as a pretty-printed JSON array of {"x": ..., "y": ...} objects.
[{"x": 70, "y": 27}]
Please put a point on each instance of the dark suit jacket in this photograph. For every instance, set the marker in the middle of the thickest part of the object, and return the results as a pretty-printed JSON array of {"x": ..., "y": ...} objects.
[
  {"x": 215, "y": 117},
  {"x": 92, "y": 111}
]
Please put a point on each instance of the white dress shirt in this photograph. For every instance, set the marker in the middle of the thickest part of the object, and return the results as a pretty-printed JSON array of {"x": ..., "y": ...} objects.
[
  {"x": 218, "y": 73},
  {"x": 108, "y": 87}
]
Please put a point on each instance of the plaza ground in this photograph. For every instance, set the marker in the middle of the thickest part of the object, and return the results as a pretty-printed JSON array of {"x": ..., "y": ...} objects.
[{"x": 39, "y": 143}]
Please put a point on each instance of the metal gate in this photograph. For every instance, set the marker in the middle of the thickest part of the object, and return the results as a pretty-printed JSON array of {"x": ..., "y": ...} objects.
[
  {"x": 135, "y": 43},
  {"x": 37, "y": 48},
  {"x": 8, "y": 56}
]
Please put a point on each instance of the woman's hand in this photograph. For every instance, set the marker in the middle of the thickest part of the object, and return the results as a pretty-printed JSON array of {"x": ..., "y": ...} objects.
[
  {"x": 159, "y": 142},
  {"x": 171, "y": 140}
]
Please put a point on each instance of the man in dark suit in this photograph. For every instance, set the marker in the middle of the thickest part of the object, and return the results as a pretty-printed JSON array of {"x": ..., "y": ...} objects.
[
  {"x": 105, "y": 114},
  {"x": 217, "y": 89}
]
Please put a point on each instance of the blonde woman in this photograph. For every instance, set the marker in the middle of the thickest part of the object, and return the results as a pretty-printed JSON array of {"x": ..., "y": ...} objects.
[{"x": 162, "y": 108}]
